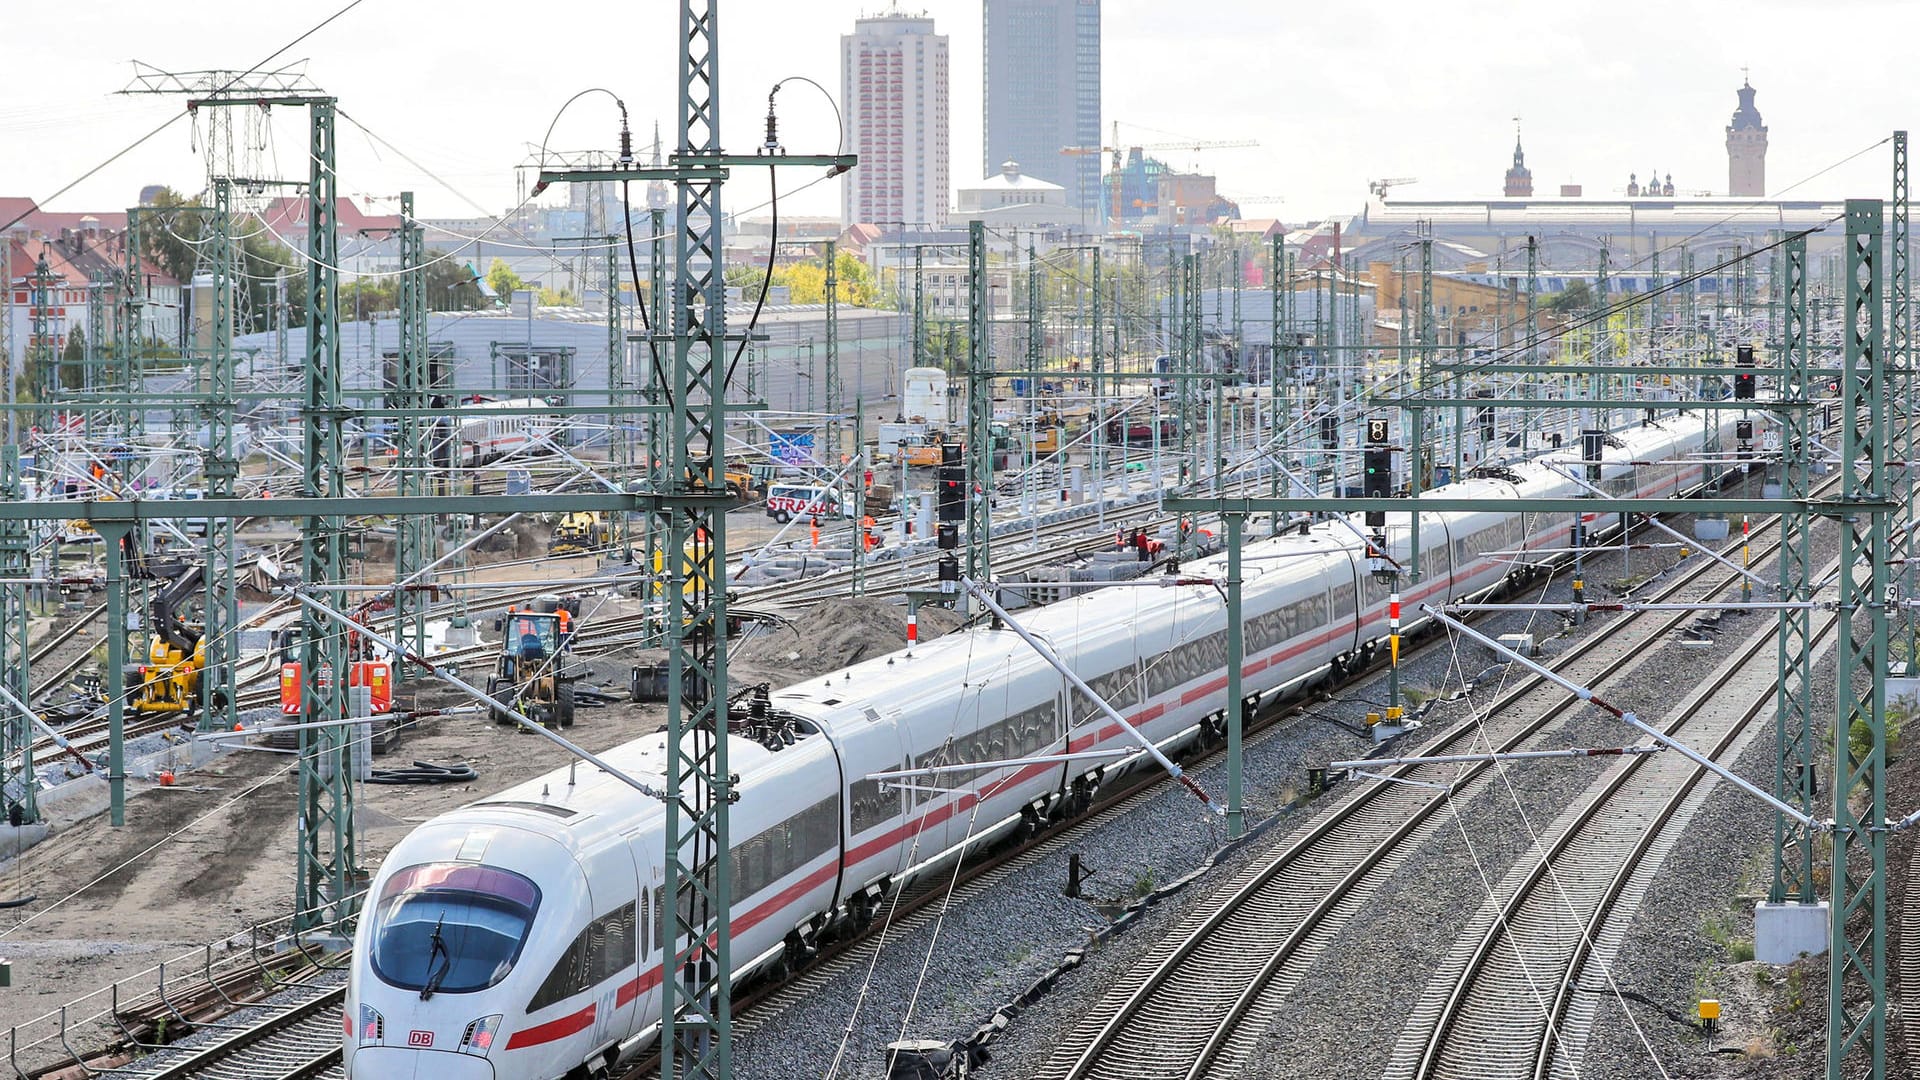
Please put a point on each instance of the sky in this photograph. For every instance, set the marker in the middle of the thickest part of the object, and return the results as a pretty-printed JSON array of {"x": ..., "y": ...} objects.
[{"x": 1336, "y": 94}]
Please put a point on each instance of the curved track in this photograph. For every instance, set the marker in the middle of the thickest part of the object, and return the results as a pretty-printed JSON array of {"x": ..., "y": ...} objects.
[
  {"x": 1508, "y": 994},
  {"x": 1200, "y": 1006}
]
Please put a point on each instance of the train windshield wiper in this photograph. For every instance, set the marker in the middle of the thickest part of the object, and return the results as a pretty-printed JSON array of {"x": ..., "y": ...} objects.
[{"x": 439, "y": 948}]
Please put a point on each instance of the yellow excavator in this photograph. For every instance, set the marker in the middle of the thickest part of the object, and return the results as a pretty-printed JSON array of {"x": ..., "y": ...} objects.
[
  {"x": 169, "y": 682},
  {"x": 581, "y": 532}
]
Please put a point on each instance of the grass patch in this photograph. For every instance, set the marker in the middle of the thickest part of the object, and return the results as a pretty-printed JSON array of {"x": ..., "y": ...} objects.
[{"x": 1143, "y": 885}]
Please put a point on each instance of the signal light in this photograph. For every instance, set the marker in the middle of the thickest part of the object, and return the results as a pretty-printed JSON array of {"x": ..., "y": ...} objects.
[
  {"x": 952, "y": 483},
  {"x": 1743, "y": 384},
  {"x": 1592, "y": 445}
]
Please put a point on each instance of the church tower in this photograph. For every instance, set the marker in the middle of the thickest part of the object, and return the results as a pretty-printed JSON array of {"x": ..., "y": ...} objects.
[
  {"x": 1519, "y": 178},
  {"x": 1746, "y": 149}
]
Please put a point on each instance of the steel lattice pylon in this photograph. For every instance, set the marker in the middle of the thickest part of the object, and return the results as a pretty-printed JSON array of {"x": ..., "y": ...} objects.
[
  {"x": 327, "y": 871},
  {"x": 1900, "y": 388},
  {"x": 16, "y": 752},
  {"x": 1859, "y": 867},
  {"x": 979, "y": 410},
  {"x": 654, "y": 552},
  {"x": 697, "y": 999},
  {"x": 1793, "y": 780},
  {"x": 326, "y": 874},
  {"x": 42, "y": 358},
  {"x": 414, "y": 550},
  {"x": 221, "y": 620}
]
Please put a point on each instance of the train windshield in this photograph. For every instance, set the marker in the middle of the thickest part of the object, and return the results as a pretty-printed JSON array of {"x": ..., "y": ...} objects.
[{"x": 451, "y": 928}]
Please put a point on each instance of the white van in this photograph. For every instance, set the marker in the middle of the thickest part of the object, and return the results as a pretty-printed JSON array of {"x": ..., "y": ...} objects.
[{"x": 788, "y": 501}]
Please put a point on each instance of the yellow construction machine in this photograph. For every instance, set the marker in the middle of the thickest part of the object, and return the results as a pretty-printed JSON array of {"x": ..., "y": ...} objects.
[
  {"x": 581, "y": 532},
  {"x": 169, "y": 682}
]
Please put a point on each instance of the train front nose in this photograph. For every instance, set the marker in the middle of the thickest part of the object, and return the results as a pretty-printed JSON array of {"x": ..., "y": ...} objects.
[{"x": 401, "y": 1063}]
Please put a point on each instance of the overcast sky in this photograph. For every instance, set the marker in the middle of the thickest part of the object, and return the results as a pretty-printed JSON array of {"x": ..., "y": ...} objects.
[{"x": 1336, "y": 93}]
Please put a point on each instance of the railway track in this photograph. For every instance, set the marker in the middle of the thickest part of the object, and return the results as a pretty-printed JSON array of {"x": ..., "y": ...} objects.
[
  {"x": 1505, "y": 999},
  {"x": 272, "y": 1057},
  {"x": 298, "y": 1040},
  {"x": 1198, "y": 1008},
  {"x": 1907, "y": 967},
  {"x": 48, "y": 648}
]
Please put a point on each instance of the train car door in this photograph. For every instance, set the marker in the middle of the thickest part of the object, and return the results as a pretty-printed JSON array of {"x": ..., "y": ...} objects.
[{"x": 615, "y": 940}]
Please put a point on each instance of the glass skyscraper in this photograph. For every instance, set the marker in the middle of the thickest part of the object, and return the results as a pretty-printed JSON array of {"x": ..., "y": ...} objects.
[{"x": 1042, "y": 91}]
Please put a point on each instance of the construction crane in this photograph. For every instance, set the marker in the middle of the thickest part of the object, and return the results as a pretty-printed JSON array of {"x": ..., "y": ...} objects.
[
  {"x": 1116, "y": 148},
  {"x": 1381, "y": 187}
]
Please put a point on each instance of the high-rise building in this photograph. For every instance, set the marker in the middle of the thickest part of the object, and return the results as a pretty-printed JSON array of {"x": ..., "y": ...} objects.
[
  {"x": 893, "y": 83},
  {"x": 1042, "y": 90},
  {"x": 1746, "y": 148}
]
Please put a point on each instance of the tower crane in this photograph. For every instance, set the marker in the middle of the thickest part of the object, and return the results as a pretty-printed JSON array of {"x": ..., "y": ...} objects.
[
  {"x": 1115, "y": 149},
  {"x": 1381, "y": 187}
]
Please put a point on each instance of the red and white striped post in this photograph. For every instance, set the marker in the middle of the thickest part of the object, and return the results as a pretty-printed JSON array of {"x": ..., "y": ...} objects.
[
  {"x": 913, "y": 630},
  {"x": 1394, "y": 709},
  {"x": 1393, "y": 629}
]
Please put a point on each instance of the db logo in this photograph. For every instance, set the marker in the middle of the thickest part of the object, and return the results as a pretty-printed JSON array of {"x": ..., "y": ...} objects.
[{"x": 419, "y": 1038}]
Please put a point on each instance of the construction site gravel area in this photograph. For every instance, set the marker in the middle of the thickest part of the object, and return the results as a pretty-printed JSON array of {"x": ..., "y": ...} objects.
[{"x": 212, "y": 854}]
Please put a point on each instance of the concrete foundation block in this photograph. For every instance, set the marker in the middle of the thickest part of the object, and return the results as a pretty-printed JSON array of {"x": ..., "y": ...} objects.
[
  {"x": 13, "y": 840},
  {"x": 1708, "y": 529},
  {"x": 1902, "y": 688},
  {"x": 1782, "y": 933},
  {"x": 1524, "y": 644}
]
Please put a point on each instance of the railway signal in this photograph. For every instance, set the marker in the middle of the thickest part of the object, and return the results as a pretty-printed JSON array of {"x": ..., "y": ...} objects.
[
  {"x": 1743, "y": 383},
  {"x": 1377, "y": 470}
]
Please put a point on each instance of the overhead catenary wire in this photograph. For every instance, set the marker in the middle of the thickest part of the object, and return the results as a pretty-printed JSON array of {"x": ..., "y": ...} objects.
[{"x": 175, "y": 118}]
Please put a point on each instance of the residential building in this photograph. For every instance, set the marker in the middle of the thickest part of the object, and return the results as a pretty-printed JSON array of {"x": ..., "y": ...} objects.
[
  {"x": 369, "y": 243},
  {"x": 76, "y": 259},
  {"x": 893, "y": 83},
  {"x": 1042, "y": 92}
]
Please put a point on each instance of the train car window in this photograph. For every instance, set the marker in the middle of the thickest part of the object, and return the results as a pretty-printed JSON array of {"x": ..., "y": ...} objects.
[
  {"x": 870, "y": 805},
  {"x": 1345, "y": 600},
  {"x": 567, "y": 977},
  {"x": 1183, "y": 663},
  {"x": 458, "y": 927},
  {"x": 1120, "y": 689},
  {"x": 605, "y": 948},
  {"x": 663, "y": 936},
  {"x": 614, "y": 949},
  {"x": 786, "y": 847}
]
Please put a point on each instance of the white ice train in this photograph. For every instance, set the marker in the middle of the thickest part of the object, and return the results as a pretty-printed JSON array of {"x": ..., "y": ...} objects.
[
  {"x": 520, "y": 936},
  {"x": 490, "y": 428}
]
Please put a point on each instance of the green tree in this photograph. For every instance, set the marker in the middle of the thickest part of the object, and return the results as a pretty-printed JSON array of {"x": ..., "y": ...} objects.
[
  {"x": 504, "y": 281},
  {"x": 856, "y": 285},
  {"x": 451, "y": 285},
  {"x": 748, "y": 279},
  {"x": 171, "y": 233},
  {"x": 73, "y": 361},
  {"x": 364, "y": 298},
  {"x": 1574, "y": 299},
  {"x": 263, "y": 260},
  {"x": 558, "y": 298}
]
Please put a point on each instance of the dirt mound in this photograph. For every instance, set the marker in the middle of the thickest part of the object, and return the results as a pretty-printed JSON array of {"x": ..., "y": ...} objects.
[{"x": 835, "y": 634}]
